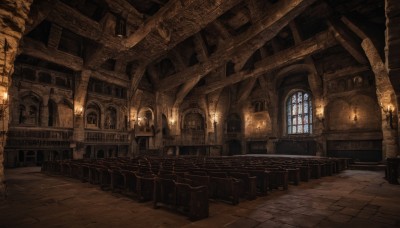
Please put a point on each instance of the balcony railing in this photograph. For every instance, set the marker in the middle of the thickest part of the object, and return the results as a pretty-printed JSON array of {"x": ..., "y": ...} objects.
[
  {"x": 38, "y": 137},
  {"x": 106, "y": 137},
  {"x": 184, "y": 142}
]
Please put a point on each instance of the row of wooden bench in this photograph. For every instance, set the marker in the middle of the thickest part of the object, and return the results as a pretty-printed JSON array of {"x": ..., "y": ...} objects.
[{"x": 185, "y": 185}]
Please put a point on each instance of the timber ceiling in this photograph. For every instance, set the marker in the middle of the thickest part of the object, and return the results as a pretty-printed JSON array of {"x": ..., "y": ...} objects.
[{"x": 197, "y": 46}]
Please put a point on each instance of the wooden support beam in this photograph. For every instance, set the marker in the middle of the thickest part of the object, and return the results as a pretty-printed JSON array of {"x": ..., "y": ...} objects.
[
  {"x": 277, "y": 17},
  {"x": 126, "y": 10},
  {"x": 153, "y": 74},
  {"x": 345, "y": 71},
  {"x": 111, "y": 77},
  {"x": 38, "y": 12},
  {"x": 314, "y": 80},
  {"x": 223, "y": 32},
  {"x": 202, "y": 51},
  {"x": 308, "y": 47},
  {"x": 170, "y": 10},
  {"x": 347, "y": 41},
  {"x": 255, "y": 7},
  {"x": 245, "y": 92},
  {"x": 136, "y": 77},
  {"x": 73, "y": 20},
  {"x": 184, "y": 20},
  {"x": 54, "y": 36},
  {"x": 40, "y": 51}
]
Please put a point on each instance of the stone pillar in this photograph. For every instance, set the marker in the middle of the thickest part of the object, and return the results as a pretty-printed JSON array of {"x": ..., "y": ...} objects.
[
  {"x": 13, "y": 16},
  {"x": 386, "y": 98},
  {"x": 158, "y": 123},
  {"x": 44, "y": 113},
  {"x": 392, "y": 48},
  {"x": 79, "y": 117}
]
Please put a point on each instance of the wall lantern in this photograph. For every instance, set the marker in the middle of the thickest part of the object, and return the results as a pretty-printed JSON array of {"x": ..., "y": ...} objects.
[
  {"x": 79, "y": 111},
  {"x": 389, "y": 115}
]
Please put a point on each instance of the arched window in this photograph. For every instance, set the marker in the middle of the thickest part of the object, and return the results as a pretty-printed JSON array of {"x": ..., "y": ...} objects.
[{"x": 299, "y": 113}]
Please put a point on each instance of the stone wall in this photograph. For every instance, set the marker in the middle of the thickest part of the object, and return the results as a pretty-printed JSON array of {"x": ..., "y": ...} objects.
[{"x": 13, "y": 15}]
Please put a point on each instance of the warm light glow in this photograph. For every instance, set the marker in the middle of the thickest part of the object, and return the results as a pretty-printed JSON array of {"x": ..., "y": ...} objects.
[
  {"x": 172, "y": 122},
  {"x": 319, "y": 112},
  {"x": 79, "y": 110},
  {"x": 355, "y": 118},
  {"x": 5, "y": 96},
  {"x": 215, "y": 117}
]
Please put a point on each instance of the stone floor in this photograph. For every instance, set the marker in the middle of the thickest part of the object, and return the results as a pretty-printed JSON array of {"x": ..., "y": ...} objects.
[{"x": 350, "y": 199}]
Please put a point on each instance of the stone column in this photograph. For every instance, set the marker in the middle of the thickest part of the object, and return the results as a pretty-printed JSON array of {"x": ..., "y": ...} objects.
[
  {"x": 386, "y": 98},
  {"x": 79, "y": 117},
  {"x": 44, "y": 114},
  {"x": 13, "y": 16},
  {"x": 158, "y": 122}
]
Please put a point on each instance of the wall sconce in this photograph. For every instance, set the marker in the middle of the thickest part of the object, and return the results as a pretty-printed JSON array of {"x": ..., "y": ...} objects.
[
  {"x": 79, "y": 111},
  {"x": 319, "y": 114},
  {"x": 355, "y": 118},
  {"x": 389, "y": 115},
  {"x": 171, "y": 122},
  {"x": 3, "y": 104},
  {"x": 215, "y": 118}
]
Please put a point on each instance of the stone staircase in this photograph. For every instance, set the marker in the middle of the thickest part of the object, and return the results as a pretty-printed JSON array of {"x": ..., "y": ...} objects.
[{"x": 372, "y": 166}]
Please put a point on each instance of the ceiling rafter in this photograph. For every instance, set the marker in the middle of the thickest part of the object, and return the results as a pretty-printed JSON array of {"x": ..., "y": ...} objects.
[{"x": 277, "y": 17}]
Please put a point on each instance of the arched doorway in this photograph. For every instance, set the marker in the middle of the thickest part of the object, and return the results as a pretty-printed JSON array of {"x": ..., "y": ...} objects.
[{"x": 193, "y": 127}]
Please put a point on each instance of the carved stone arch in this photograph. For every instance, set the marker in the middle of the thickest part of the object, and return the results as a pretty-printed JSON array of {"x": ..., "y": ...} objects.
[
  {"x": 93, "y": 114},
  {"x": 192, "y": 110},
  {"x": 30, "y": 104},
  {"x": 306, "y": 111},
  {"x": 111, "y": 117},
  {"x": 31, "y": 93},
  {"x": 145, "y": 117}
]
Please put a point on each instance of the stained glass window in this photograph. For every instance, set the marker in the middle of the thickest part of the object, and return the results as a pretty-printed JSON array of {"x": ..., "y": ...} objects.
[{"x": 299, "y": 113}]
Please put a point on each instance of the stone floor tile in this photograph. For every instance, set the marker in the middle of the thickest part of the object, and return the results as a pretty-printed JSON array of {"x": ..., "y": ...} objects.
[
  {"x": 339, "y": 218},
  {"x": 349, "y": 211},
  {"x": 350, "y": 199},
  {"x": 243, "y": 223}
]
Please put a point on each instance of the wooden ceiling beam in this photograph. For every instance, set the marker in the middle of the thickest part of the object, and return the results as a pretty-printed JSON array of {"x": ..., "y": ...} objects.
[
  {"x": 276, "y": 18},
  {"x": 347, "y": 41},
  {"x": 202, "y": 51},
  {"x": 306, "y": 48},
  {"x": 39, "y": 50},
  {"x": 39, "y": 11}
]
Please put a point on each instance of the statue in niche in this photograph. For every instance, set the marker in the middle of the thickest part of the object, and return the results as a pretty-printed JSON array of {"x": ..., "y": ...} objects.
[
  {"x": 91, "y": 119},
  {"x": 107, "y": 122}
]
